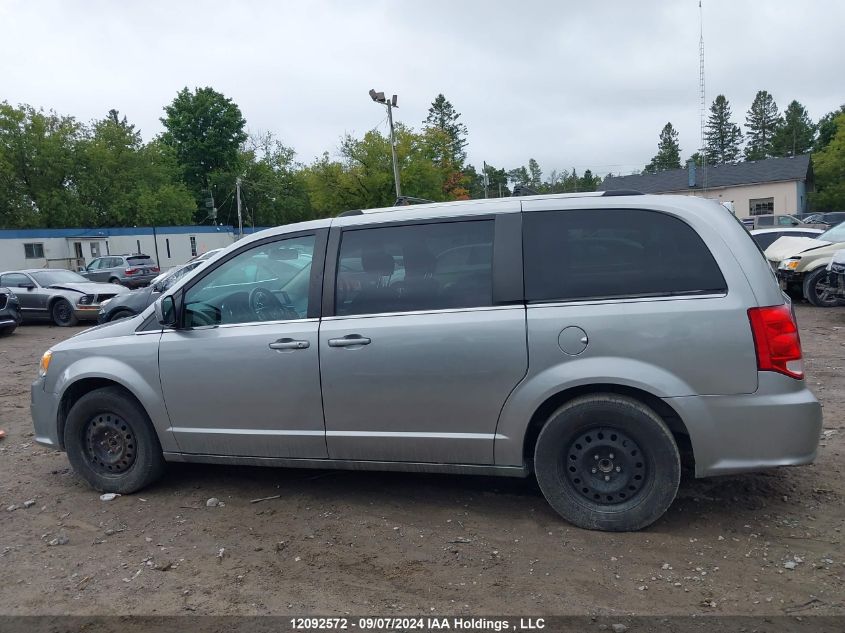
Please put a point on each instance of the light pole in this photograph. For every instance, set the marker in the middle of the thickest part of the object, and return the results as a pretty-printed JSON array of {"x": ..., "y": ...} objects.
[{"x": 378, "y": 97}]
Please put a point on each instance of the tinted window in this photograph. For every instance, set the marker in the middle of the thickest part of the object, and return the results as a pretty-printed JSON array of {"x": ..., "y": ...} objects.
[
  {"x": 764, "y": 240},
  {"x": 138, "y": 260},
  {"x": 15, "y": 280},
  {"x": 268, "y": 282},
  {"x": 614, "y": 253},
  {"x": 415, "y": 267}
]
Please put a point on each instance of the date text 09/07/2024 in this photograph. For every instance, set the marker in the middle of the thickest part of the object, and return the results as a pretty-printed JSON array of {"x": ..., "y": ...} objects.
[{"x": 417, "y": 623}]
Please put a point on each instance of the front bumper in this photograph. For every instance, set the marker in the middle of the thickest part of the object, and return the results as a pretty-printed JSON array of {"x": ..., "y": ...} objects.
[
  {"x": 778, "y": 425},
  {"x": 44, "y": 407},
  {"x": 836, "y": 281},
  {"x": 789, "y": 278},
  {"x": 87, "y": 313}
]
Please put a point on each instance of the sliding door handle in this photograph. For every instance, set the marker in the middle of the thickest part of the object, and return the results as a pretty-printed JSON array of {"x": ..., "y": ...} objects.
[{"x": 349, "y": 340}]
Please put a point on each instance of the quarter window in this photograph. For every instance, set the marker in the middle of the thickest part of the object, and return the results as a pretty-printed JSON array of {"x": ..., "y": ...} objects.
[
  {"x": 415, "y": 267},
  {"x": 33, "y": 250},
  {"x": 268, "y": 282},
  {"x": 612, "y": 253}
]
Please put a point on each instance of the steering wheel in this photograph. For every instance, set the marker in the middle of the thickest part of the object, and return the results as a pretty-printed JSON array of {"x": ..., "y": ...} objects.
[{"x": 267, "y": 307}]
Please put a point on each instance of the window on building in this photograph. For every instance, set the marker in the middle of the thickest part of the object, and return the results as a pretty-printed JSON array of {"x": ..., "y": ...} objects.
[
  {"x": 614, "y": 253},
  {"x": 415, "y": 267},
  {"x": 95, "y": 249},
  {"x": 33, "y": 250},
  {"x": 761, "y": 206},
  {"x": 193, "y": 246},
  {"x": 167, "y": 244},
  {"x": 77, "y": 250}
]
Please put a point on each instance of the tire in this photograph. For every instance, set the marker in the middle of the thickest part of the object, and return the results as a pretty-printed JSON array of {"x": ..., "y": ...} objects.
[
  {"x": 121, "y": 314},
  {"x": 813, "y": 289},
  {"x": 611, "y": 447},
  {"x": 62, "y": 313},
  {"x": 114, "y": 280},
  {"x": 5, "y": 331},
  {"x": 111, "y": 443}
]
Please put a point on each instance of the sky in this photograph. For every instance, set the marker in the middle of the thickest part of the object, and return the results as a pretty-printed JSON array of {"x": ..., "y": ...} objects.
[{"x": 571, "y": 84}]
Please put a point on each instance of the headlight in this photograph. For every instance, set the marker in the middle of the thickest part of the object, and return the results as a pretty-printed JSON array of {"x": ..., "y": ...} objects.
[
  {"x": 86, "y": 300},
  {"x": 45, "y": 363},
  {"x": 789, "y": 264}
]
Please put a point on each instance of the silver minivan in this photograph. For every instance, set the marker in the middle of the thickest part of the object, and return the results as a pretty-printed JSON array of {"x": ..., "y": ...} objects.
[{"x": 595, "y": 340}]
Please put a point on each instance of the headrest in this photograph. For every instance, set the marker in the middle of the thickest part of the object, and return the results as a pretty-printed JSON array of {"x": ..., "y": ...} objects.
[{"x": 378, "y": 262}]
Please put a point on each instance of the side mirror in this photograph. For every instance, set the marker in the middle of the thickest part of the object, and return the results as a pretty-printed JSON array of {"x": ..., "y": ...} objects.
[
  {"x": 28, "y": 286},
  {"x": 165, "y": 310}
]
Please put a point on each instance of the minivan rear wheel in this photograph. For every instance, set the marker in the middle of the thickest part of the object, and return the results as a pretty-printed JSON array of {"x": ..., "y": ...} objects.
[
  {"x": 607, "y": 462},
  {"x": 111, "y": 442}
]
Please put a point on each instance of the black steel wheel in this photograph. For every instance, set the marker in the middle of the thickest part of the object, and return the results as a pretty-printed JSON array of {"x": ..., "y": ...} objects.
[
  {"x": 607, "y": 462},
  {"x": 111, "y": 442},
  {"x": 62, "y": 313}
]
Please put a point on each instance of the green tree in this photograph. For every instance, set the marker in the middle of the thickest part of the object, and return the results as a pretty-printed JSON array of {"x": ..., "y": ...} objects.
[
  {"x": 722, "y": 137},
  {"x": 827, "y": 128},
  {"x": 796, "y": 134},
  {"x": 668, "y": 151},
  {"x": 829, "y": 169},
  {"x": 762, "y": 122},
  {"x": 519, "y": 176},
  {"x": 535, "y": 174},
  {"x": 206, "y": 130},
  {"x": 38, "y": 168},
  {"x": 589, "y": 182},
  {"x": 450, "y": 148}
]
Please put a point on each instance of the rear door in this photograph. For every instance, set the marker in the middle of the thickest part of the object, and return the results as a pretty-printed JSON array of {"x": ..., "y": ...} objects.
[{"x": 424, "y": 343}]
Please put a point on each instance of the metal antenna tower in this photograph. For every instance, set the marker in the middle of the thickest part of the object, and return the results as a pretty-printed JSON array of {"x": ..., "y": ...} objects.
[{"x": 702, "y": 102}]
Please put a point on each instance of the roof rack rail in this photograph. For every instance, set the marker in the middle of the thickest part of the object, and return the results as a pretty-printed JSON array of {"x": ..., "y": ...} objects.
[
  {"x": 404, "y": 201},
  {"x": 522, "y": 190},
  {"x": 351, "y": 212},
  {"x": 622, "y": 192}
]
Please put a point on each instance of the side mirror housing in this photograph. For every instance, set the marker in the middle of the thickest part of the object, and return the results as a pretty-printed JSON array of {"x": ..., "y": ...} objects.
[
  {"x": 28, "y": 286},
  {"x": 165, "y": 309}
]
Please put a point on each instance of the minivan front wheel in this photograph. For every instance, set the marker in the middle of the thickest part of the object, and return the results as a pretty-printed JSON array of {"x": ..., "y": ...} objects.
[
  {"x": 607, "y": 462},
  {"x": 111, "y": 442}
]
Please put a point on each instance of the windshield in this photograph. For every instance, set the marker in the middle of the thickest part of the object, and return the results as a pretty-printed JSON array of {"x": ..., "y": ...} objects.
[
  {"x": 54, "y": 277},
  {"x": 836, "y": 234}
]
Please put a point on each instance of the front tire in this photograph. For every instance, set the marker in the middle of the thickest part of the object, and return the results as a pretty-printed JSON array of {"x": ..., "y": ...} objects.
[
  {"x": 607, "y": 462},
  {"x": 6, "y": 331},
  {"x": 816, "y": 289},
  {"x": 111, "y": 442},
  {"x": 62, "y": 313}
]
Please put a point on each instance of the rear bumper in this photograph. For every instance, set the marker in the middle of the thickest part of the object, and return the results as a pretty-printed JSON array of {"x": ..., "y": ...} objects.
[
  {"x": 138, "y": 281},
  {"x": 778, "y": 425}
]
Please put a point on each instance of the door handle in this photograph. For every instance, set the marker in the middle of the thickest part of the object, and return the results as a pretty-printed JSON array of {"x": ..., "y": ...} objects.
[
  {"x": 289, "y": 343},
  {"x": 349, "y": 340}
]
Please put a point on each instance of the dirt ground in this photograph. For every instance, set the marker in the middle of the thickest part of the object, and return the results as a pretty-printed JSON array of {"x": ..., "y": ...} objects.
[{"x": 398, "y": 544}]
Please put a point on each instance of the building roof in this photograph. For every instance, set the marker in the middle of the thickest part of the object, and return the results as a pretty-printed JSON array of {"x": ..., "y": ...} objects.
[{"x": 730, "y": 175}]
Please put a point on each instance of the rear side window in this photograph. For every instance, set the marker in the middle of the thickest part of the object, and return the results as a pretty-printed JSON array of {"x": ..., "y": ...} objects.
[
  {"x": 613, "y": 253},
  {"x": 415, "y": 267}
]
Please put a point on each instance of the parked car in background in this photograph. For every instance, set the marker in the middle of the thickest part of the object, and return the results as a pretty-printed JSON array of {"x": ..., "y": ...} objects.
[
  {"x": 132, "y": 271},
  {"x": 499, "y": 337},
  {"x": 836, "y": 275},
  {"x": 801, "y": 264},
  {"x": 206, "y": 255},
  {"x": 61, "y": 296},
  {"x": 831, "y": 218},
  {"x": 765, "y": 237},
  {"x": 10, "y": 311},
  {"x": 763, "y": 221},
  {"x": 131, "y": 303}
]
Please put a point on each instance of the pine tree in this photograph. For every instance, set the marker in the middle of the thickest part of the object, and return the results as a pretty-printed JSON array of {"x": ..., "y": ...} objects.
[
  {"x": 797, "y": 133},
  {"x": 535, "y": 174},
  {"x": 722, "y": 137},
  {"x": 668, "y": 151},
  {"x": 443, "y": 117},
  {"x": 762, "y": 121}
]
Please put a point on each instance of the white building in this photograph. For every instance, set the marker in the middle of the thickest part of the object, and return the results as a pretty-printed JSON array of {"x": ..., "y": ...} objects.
[{"x": 71, "y": 248}]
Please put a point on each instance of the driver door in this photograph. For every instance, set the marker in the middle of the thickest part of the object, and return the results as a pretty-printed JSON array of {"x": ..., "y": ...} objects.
[{"x": 242, "y": 376}]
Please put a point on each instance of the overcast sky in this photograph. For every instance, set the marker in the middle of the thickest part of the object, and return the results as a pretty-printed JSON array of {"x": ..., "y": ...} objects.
[{"x": 586, "y": 84}]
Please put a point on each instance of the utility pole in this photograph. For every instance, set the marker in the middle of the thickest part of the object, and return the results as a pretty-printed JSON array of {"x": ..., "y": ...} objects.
[
  {"x": 378, "y": 97},
  {"x": 238, "y": 198},
  {"x": 485, "y": 179}
]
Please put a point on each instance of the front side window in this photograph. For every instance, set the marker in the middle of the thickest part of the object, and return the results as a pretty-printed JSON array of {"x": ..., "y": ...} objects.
[
  {"x": 613, "y": 253},
  {"x": 33, "y": 251},
  {"x": 15, "y": 280},
  {"x": 268, "y": 282},
  {"x": 415, "y": 267}
]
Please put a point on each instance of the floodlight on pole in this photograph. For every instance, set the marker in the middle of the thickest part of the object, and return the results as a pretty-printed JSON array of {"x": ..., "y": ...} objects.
[{"x": 379, "y": 97}]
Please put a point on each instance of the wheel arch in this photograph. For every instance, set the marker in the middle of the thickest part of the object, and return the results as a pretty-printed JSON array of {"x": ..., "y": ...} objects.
[
  {"x": 79, "y": 388},
  {"x": 542, "y": 413}
]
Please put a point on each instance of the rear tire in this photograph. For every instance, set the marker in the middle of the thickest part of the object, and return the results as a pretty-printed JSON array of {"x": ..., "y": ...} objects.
[
  {"x": 607, "y": 462},
  {"x": 111, "y": 442},
  {"x": 62, "y": 313},
  {"x": 814, "y": 289}
]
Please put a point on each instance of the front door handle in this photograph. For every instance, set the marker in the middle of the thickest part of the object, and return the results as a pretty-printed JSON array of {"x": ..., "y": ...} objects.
[
  {"x": 349, "y": 340},
  {"x": 289, "y": 343}
]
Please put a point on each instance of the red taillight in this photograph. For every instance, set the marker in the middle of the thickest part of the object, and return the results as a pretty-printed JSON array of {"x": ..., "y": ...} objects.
[
  {"x": 776, "y": 340},
  {"x": 155, "y": 269},
  {"x": 131, "y": 271}
]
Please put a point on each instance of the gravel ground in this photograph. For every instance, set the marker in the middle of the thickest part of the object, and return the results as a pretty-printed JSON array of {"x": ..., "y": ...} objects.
[{"x": 338, "y": 542}]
